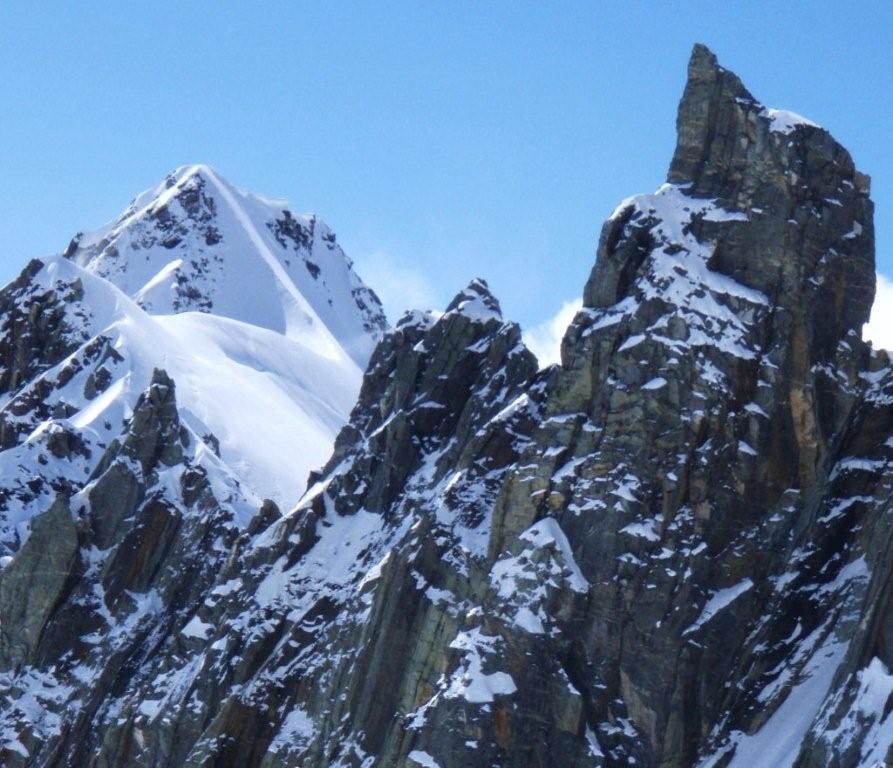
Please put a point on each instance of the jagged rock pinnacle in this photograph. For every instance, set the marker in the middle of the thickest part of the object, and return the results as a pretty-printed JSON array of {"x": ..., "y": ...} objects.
[
  {"x": 797, "y": 221},
  {"x": 710, "y": 124},
  {"x": 477, "y": 301}
]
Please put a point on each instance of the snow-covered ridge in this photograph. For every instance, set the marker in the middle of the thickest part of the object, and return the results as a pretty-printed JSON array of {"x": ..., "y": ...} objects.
[
  {"x": 784, "y": 121},
  {"x": 197, "y": 243},
  {"x": 272, "y": 403}
]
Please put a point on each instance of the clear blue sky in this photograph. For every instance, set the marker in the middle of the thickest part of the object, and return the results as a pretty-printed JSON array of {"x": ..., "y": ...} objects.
[{"x": 441, "y": 140}]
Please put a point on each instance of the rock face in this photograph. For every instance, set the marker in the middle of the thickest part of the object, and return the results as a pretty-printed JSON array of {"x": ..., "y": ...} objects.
[{"x": 671, "y": 550}]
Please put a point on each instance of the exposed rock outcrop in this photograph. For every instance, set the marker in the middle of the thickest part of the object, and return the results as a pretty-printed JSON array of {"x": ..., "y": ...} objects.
[
  {"x": 672, "y": 550},
  {"x": 33, "y": 584}
]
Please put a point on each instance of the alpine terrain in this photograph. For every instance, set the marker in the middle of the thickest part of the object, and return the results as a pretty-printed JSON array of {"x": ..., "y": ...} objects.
[{"x": 674, "y": 549}]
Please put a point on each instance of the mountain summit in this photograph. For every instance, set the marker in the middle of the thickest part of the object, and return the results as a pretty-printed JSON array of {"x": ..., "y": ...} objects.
[
  {"x": 672, "y": 550},
  {"x": 256, "y": 313},
  {"x": 197, "y": 243}
]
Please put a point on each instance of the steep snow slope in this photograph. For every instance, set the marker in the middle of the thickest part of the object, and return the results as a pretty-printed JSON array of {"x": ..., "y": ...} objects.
[
  {"x": 267, "y": 324},
  {"x": 256, "y": 314},
  {"x": 196, "y": 242},
  {"x": 269, "y": 403},
  {"x": 273, "y": 403}
]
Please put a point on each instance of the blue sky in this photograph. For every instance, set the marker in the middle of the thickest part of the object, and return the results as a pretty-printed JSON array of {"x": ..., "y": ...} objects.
[{"x": 441, "y": 140}]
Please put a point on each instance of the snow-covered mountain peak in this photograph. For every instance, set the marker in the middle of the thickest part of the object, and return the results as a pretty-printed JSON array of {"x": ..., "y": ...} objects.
[
  {"x": 195, "y": 242},
  {"x": 255, "y": 312}
]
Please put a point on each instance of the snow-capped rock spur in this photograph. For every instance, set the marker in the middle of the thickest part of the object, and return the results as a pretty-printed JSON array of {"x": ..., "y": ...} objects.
[{"x": 671, "y": 550}]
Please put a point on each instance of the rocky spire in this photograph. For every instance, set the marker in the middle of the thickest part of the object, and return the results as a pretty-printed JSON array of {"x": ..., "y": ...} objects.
[
  {"x": 778, "y": 206},
  {"x": 476, "y": 300},
  {"x": 712, "y": 126},
  {"x": 432, "y": 378}
]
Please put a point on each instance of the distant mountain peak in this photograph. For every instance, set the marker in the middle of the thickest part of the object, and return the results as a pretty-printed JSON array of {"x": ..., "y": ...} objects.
[{"x": 195, "y": 242}]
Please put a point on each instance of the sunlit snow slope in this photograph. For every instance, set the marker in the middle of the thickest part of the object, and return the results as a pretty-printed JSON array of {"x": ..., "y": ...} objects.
[
  {"x": 195, "y": 242},
  {"x": 254, "y": 312}
]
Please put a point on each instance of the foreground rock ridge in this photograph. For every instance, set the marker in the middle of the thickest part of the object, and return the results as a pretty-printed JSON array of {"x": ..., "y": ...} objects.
[{"x": 673, "y": 549}]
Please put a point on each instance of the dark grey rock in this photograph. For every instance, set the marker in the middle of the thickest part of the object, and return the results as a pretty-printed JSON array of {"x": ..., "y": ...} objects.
[
  {"x": 636, "y": 557},
  {"x": 34, "y": 583}
]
